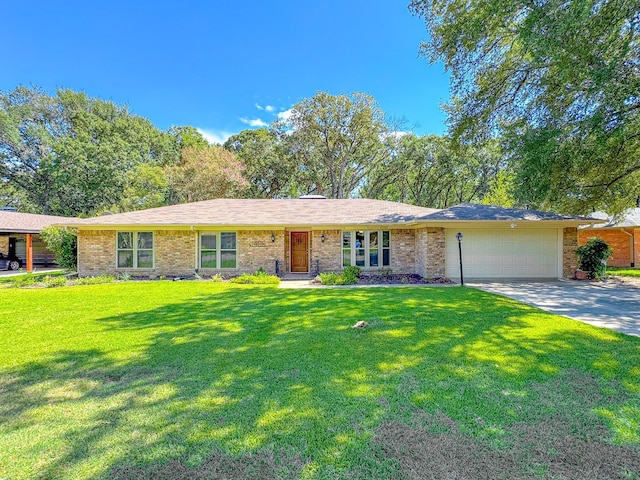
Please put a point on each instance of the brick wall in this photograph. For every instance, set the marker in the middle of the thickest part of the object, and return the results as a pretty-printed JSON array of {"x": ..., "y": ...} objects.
[
  {"x": 96, "y": 253},
  {"x": 256, "y": 250},
  {"x": 620, "y": 242},
  {"x": 436, "y": 252},
  {"x": 421, "y": 248},
  {"x": 569, "y": 246},
  {"x": 4, "y": 245},
  {"x": 430, "y": 252},
  {"x": 174, "y": 252},
  {"x": 403, "y": 251},
  {"x": 636, "y": 246},
  {"x": 328, "y": 253}
]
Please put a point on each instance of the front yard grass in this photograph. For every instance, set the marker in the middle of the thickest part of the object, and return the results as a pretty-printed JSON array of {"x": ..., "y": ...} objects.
[
  {"x": 624, "y": 271},
  {"x": 210, "y": 380}
]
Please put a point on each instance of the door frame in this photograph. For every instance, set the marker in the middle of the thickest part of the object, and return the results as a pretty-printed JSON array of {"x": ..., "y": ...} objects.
[{"x": 308, "y": 233}]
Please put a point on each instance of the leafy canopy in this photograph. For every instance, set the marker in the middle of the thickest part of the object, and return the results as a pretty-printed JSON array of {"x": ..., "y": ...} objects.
[{"x": 558, "y": 80}]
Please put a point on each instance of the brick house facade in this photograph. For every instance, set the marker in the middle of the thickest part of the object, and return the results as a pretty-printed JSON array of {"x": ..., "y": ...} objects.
[{"x": 231, "y": 237}]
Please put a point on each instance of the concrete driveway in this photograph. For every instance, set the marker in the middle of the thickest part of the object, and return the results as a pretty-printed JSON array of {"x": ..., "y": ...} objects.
[{"x": 608, "y": 305}]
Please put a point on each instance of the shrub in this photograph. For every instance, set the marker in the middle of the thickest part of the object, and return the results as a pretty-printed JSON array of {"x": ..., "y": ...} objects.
[
  {"x": 28, "y": 280},
  {"x": 592, "y": 257},
  {"x": 385, "y": 272},
  {"x": 51, "y": 281},
  {"x": 94, "y": 280},
  {"x": 330, "y": 278},
  {"x": 63, "y": 245},
  {"x": 260, "y": 277},
  {"x": 352, "y": 271},
  {"x": 344, "y": 278}
]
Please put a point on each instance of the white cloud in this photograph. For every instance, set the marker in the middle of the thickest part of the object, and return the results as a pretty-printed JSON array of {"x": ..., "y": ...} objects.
[
  {"x": 214, "y": 136},
  {"x": 285, "y": 115},
  {"x": 269, "y": 108},
  {"x": 260, "y": 107},
  {"x": 397, "y": 134},
  {"x": 254, "y": 122}
]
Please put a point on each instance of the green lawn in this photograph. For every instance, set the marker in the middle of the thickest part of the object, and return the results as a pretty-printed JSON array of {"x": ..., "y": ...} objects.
[
  {"x": 185, "y": 379},
  {"x": 624, "y": 271}
]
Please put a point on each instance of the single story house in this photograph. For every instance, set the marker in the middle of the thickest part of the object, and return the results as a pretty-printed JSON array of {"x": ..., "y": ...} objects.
[
  {"x": 20, "y": 237},
  {"x": 622, "y": 233},
  {"x": 314, "y": 234}
]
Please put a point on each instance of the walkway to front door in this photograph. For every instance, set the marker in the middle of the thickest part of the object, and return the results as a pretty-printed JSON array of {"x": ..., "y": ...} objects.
[{"x": 299, "y": 252}]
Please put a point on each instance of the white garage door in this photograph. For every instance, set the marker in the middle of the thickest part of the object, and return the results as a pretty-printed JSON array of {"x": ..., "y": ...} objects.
[{"x": 503, "y": 253}]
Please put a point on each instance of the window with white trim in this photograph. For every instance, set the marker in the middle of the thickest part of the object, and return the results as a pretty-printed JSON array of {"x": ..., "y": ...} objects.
[
  {"x": 366, "y": 248},
  {"x": 218, "y": 250},
  {"x": 134, "y": 250}
]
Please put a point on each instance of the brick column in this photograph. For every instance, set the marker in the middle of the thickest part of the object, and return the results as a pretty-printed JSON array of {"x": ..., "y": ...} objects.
[{"x": 569, "y": 247}]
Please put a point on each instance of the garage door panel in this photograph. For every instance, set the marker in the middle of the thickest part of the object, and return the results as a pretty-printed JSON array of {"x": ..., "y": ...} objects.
[{"x": 503, "y": 253}]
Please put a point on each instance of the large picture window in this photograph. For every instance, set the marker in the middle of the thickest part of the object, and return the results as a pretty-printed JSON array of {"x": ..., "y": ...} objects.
[
  {"x": 218, "y": 250},
  {"x": 366, "y": 248},
  {"x": 134, "y": 250}
]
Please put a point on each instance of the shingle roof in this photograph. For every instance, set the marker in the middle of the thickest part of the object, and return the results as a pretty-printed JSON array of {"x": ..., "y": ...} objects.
[
  {"x": 16, "y": 222},
  {"x": 473, "y": 211},
  {"x": 629, "y": 218},
  {"x": 254, "y": 212}
]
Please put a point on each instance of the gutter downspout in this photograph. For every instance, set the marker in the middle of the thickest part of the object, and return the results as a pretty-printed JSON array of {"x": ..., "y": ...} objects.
[{"x": 633, "y": 253}]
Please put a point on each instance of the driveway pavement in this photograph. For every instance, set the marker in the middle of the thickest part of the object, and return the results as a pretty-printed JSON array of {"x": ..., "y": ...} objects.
[{"x": 608, "y": 305}]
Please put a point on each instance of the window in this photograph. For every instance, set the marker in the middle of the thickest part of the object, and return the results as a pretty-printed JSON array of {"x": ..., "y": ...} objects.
[
  {"x": 218, "y": 250},
  {"x": 366, "y": 249},
  {"x": 135, "y": 250}
]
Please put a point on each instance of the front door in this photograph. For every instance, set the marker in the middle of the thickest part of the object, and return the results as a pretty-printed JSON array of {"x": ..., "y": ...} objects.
[{"x": 299, "y": 252}]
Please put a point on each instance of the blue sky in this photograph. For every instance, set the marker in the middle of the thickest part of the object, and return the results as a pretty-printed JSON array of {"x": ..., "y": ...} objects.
[{"x": 224, "y": 66}]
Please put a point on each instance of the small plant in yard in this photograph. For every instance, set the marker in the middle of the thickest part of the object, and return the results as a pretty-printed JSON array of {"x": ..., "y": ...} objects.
[
  {"x": 217, "y": 278},
  {"x": 124, "y": 277},
  {"x": 349, "y": 276},
  {"x": 50, "y": 281},
  {"x": 592, "y": 257},
  {"x": 260, "y": 277},
  {"x": 94, "y": 280},
  {"x": 385, "y": 272}
]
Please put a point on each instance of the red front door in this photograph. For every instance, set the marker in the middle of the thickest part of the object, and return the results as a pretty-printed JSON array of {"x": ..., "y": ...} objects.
[{"x": 299, "y": 252}]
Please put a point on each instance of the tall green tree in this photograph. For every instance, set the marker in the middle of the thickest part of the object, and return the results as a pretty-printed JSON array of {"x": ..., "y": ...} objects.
[
  {"x": 205, "y": 173},
  {"x": 335, "y": 141},
  {"x": 271, "y": 173},
  {"x": 74, "y": 155},
  {"x": 432, "y": 171},
  {"x": 558, "y": 80},
  {"x": 188, "y": 136}
]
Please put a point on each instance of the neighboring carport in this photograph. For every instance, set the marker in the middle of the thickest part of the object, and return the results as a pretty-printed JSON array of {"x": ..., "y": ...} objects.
[{"x": 20, "y": 237}]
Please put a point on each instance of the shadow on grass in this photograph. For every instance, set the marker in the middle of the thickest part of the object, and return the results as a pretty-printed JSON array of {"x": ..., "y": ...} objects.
[{"x": 257, "y": 382}]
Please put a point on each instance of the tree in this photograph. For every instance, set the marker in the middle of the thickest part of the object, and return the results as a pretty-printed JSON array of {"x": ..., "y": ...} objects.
[
  {"x": 432, "y": 171},
  {"x": 500, "y": 190},
  {"x": 269, "y": 171},
  {"x": 188, "y": 137},
  {"x": 335, "y": 141},
  {"x": 63, "y": 244},
  {"x": 205, "y": 173},
  {"x": 74, "y": 155},
  {"x": 558, "y": 80}
]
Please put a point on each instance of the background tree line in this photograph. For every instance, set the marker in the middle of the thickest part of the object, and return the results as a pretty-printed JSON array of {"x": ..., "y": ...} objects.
[
  {"x": 544, "y": 113},
  {"x": 69, "y": 154}
]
